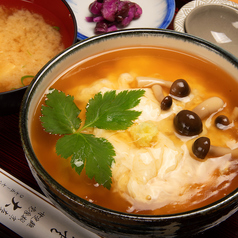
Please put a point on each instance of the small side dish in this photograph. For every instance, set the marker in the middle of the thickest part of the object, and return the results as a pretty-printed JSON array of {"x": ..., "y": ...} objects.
[
  {"x": 216, "y": 23},
  {"x": 109, "y": 15},
  {"x": 155, "y": 14},
  {"x": 27, "y": 42}
]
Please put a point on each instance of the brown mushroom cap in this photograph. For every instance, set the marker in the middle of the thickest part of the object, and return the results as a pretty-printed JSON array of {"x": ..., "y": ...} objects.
[
  {"x": 180, "y": 88},
  {"x": 188, "y": 123},
  {"x": 201, "y": 147}
]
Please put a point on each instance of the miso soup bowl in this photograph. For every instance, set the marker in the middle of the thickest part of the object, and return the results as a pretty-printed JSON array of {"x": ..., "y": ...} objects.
[
  {"x": 102, "y": 221},
  {"x": 54, "y": 12}
]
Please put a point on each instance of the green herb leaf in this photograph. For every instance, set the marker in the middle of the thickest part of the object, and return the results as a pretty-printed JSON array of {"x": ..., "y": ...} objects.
[
  {"x": 99, "y": 159},
  {"x": 111, "y": 111},
  {"x": 60, "y": 115},
  {"x": 108, "y": 111},
  {"x": 95, "y": 154}
]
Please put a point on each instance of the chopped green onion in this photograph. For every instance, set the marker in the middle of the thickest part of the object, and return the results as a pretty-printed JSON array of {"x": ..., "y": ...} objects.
[
  {"x": 56, "y": 28},
  {"x": 26, "y": 76}
]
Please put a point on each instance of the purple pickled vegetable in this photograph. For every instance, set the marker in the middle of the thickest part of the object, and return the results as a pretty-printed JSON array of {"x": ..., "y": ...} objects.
[
  {"x": 101, "y": 27},
  {"x": 89, "y": 19},
  {"x": 111, "y": 14},
  {"x": 109, "y": 9},
  {"x": 122, "y": 12},
  {"x": 112, "y": 28},
  {"x": 138, "y": 11},
  {"x": 95, "y": 8},
  {"x": 98, "y": 19},
  {"x": 131, "y": 14}
]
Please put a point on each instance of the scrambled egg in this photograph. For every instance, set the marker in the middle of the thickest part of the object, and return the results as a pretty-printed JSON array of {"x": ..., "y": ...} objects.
[{"x": 153, "y": 166}]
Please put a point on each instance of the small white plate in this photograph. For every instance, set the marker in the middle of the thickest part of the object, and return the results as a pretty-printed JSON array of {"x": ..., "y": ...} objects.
[
  {"x": 156, "y": 14},
  {"x": 213, "y": 20},
  {"x": 179, "y": 21}
]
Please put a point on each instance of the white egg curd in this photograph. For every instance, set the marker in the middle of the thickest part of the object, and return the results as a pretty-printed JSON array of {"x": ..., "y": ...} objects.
[{"x": 154, "y": 164}]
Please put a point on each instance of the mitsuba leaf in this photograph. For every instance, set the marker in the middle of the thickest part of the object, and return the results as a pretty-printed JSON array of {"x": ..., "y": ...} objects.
[
  {"x": 105, "y": 111},
  {"x": 112, "y": 112},
  {"x": 60, "y": 115},
  {"x": 100, "y": 154},
  {"x": 77, "y": 162},
  {"x": 68, "y": 145},
  {"x": 96, "y": 154}
]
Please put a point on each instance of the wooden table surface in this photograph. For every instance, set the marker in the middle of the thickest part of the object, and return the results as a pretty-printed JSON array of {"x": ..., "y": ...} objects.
[{"x": 13, "y": 161}]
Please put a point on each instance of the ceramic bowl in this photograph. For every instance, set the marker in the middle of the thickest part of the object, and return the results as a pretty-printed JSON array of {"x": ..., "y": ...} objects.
[
  {"x": 102, "y": 221},
  {"x": 155, "y": 14},
  {"x": 56, "y": 12},
  {"x": 181, "y": 16},
  {"x": 214, "y": 21}
]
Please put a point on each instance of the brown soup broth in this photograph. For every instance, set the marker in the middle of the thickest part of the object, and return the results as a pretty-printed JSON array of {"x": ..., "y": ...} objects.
[{"x": 155, "y": 62}]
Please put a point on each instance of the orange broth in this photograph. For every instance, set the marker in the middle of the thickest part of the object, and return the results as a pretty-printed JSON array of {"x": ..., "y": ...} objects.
[{"x": 161, "y": 63}]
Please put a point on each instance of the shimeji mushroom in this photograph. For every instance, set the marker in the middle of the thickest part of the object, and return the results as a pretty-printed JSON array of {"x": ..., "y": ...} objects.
[
  {"x": 201, "y": 147},
  {"x": 155, "y": 84},
  {"x": 180, "y": 88},
  {"x": 187, "y": 123},
  {"x": 234, "y": 114},
  {"x": 209, "y": 106},
  {"x": 144, "y": 82},
  {"x": 158, "y": 92},
  {"x": 222, "y": 122},
  {"x": 166, "y": 103},
  {"x": 220, "y": 151}
]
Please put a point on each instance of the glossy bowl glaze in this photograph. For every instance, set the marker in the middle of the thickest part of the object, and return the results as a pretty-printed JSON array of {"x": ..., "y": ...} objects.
[
  {"x": 55, "y": 12},
  {"x": 105, "y": 222}
]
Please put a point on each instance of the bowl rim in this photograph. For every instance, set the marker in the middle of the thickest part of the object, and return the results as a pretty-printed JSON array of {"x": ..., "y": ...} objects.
[
  {"x": 29, "y": 153},
  {"x": 73, "y": 19},
  {"x": 13, "y": 90}
]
